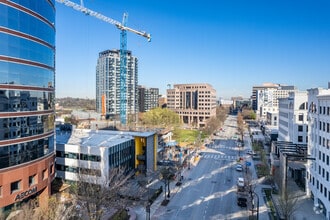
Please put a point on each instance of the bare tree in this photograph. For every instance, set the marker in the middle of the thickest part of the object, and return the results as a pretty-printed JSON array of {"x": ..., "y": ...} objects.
[
  {"x": 240, "y": 125},
  {"x": 288, "y": 204},
  {"x": 93, "y": 196},
  {"x": 167, "y": 175}
]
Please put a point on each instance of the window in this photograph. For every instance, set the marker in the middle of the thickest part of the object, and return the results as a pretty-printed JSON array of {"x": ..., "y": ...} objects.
[
  {"x": 300, "y": 138},
  {"x": 300, "y": 128},
  {"x": 51, "y": 169},
  {"x": 32, "y": 180},
  {"x": 44, "y": 174},
  {"x": 301, "y": 117},
  {"x": 325, "y": 192},
  {"x": 15, "y": 186},
  {"x": 0, "y": 191}
]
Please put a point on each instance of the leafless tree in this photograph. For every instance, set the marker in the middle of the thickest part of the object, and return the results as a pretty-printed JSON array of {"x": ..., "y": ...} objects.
[
  {"x": 167, "y": 175},
  {"x": 288, "y": 204},
  {"x": 93, "y": 196}
]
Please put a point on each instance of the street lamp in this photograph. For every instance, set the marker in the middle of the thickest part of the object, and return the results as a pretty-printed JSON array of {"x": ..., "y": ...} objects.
[{"x": 255, "y": 195}]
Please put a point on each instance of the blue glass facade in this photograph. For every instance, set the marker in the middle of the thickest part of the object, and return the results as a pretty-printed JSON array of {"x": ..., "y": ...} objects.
[{"x": 27, "y": 81}]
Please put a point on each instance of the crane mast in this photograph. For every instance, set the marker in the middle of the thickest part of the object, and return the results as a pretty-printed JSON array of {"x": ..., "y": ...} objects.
[{"x": 123, "y": 47}]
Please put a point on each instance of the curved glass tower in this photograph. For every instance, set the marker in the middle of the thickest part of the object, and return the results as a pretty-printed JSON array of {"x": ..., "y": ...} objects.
[{"x": 27, "y": 90}]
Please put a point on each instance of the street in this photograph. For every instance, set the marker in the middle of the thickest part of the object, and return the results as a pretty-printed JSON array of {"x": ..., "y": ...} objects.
[{"x": 209, "y": 191}]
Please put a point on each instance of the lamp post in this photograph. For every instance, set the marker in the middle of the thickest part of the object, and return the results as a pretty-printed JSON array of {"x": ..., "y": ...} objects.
[{"x": 253, "y": 196}]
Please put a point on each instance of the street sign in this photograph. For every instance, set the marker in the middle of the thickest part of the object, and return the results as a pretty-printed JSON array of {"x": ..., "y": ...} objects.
[{"x": 247, "y": 163}]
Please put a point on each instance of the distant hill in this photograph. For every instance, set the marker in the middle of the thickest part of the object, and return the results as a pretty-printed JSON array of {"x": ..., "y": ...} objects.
[{"x": 76, "y": 103}]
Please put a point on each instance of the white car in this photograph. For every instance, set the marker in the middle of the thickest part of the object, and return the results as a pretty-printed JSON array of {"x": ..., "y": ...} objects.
[
  {"x": 239, "y": 167},
  {"x": 240, "y": 182}
]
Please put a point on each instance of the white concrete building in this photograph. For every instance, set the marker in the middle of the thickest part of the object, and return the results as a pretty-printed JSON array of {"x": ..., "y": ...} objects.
[
  {"x": 89, "y": 155},
  {"x": 265, "y": 98},
  {"x": 293, "y": 118},
  {"x": 318, "y": 175}
]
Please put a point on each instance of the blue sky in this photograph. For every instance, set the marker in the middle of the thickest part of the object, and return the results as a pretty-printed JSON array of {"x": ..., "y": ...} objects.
[{"x": 232, "y": 45}]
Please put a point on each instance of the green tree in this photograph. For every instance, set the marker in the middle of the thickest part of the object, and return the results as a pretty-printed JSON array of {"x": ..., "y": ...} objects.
[
  {"x": 248, "y": 114},
  {"x": 160, "y": 117}
]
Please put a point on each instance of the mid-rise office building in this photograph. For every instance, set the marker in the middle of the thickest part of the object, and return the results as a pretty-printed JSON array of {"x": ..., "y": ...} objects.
[
  {"x": 195, "y": 103},
  {"x": 89, "y": 155},
  {"x": 148, "y": 98},
  {"x": 318, "y": 176},
  {"x": 265, "y": 97},
  {"x": 108, "y": 85},
  {"x": 27, "y": 81},
  {"x": 293, "y": 126}
]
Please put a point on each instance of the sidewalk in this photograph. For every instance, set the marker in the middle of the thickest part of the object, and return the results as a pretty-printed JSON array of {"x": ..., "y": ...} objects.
[
  {"x": 157, "y": 209},
  {"x": 304, "y": 207}
]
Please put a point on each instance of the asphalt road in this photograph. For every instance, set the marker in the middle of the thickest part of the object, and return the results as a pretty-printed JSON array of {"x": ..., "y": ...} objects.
[{"x": 209, "y": 192}]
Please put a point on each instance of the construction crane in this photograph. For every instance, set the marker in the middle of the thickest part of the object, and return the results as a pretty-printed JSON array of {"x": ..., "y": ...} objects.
[{"x": 123, "y": 47}]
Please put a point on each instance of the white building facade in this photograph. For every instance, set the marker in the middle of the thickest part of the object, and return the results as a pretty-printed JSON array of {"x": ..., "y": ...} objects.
[
  {"x": 265, "y": 98},
  {"x": 87, "y": 155},
  {"x": 293, "y": 126},
  {"x": 318, "y": 175}
]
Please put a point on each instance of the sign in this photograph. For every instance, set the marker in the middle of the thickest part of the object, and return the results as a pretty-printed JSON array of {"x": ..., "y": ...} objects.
[
  {"x": 26, "y": 193},
  {"x": 247, "y": 163}
]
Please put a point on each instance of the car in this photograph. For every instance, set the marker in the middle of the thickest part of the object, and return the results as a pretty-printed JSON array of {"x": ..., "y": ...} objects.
[
  {"x": 242, "y": 202},
  {"x": 239, "y": 167},
  {"x": 240, "y": 182},
  {"x": 250, "y": 152}
]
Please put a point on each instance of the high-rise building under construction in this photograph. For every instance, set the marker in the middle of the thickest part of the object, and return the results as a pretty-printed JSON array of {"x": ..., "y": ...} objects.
[{"x": 108, "y": 85}]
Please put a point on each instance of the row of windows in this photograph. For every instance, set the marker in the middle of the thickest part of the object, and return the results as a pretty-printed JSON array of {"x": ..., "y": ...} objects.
[
  {"x": 25, "y": 23},
  {"x": 78, "y": 156},
  {"x": 24, "y": 152},
  {"x": 13, "y": 46},
  {"x": 80, "y": 170},
  {"x": 324, "y": 142},
  {"x": 12, "y": 128},
  {"x": 324, "y": 158},
  {"x": 122, "y": 154},
  {"x": 319, "y": 186},
  {"x": 41, "y": 8},
  {"x": 14, "y": 73},
  {"x": 324, "y": 110},
  {"x": 301, "y": 128},
  {"x": 16, "y": 100},
  {"x": 120, "y": 147},
  {"x": 324, "y": 126},
  {"x": 16, "y": 186}
]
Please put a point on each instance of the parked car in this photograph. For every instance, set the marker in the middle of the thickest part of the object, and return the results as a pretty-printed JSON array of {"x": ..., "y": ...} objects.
[
  {"x": 239, "y": 167},
  {"x": 240, "y": 182},
  {"x": 242, "y": 202},
  {"x": 251, "y": 152}
]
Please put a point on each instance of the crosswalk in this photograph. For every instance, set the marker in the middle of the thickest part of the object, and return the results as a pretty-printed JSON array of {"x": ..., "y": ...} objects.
[
  {"x": 219, "y": 157},
  {"x": 220, "y": 146}
]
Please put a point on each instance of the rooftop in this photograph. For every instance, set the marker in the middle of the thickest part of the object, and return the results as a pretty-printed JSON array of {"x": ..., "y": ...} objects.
[{"x": 97, "y": 138}]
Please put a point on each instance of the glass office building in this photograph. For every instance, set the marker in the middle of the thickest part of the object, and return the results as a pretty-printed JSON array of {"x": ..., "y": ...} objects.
[{"x": 27, "y": 91}]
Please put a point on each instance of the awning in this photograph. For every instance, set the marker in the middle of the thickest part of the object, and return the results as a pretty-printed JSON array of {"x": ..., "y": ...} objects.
[{"x": 297, "y": 165}]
